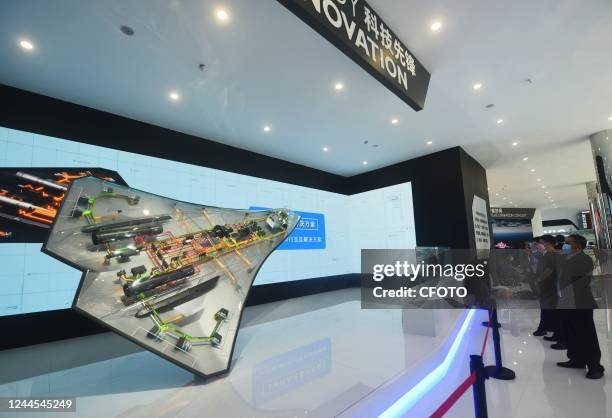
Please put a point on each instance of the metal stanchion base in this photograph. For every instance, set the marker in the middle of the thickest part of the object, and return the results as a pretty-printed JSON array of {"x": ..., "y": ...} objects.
[
  {"x": 500, "y": 373},
  {"x": 493, "y": 325}
]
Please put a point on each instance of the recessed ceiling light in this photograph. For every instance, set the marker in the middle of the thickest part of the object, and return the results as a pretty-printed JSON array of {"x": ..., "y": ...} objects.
[
  {"x": 543, "y": 187},
  {"x": 610, "y": 118},
  {"x": 496, "y": 194},
  {"x": 222, "y": 15},
  {"x": 126, "y": 30},
  {"x": 500, "y": 121},
  {"x": 267, "y": 128},
  {"x": 546, "y": 192},
  {"x": 174, "y": 96},
  {"x": 477, "y": 86},
  {"x": 514, "y": 144},
  {"x": 429, "y": 142},
  {"x": 394, "y": 121},
  {"x": 525, "y": 158},
  {"x": 325, "y": 149},
  {"x": 532, "y": 170},
  {"x": 503, "y": 198},
  {"x": 435, "y": 26},
  {"x": 25, "y": 44},
  {"x": 365, "y": 163},
  {"x": 538, "y": 179},
  {"x": 510, "y": 203},
  {"x": 339, "y": 86}
]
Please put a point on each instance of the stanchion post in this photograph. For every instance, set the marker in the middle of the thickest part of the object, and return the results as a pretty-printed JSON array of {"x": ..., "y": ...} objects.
[
  {"x": 494, "y": 322},
  {"x": 478, "y": 388},
  {"x": 498, "y": 371}
]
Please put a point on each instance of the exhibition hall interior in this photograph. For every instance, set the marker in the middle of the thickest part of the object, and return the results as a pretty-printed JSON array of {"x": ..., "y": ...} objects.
[{"x": 305, "y": 208}]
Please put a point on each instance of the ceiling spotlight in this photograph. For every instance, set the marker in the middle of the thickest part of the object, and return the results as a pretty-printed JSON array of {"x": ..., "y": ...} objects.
[
  {"x": 500, "y": 121},
  {"x": 222, "y": 15},
  {"x": 477, "y": 86},
  {"x": 510, "y": 203},
  {"x": 503, "y": 198},
  {"x": 525, "y": 158},
  {"x": 532, "y": 170},
  {"x": 538, "y": 179},
  {"x": 546, "y": 192},
  {"x": 325, "y": 149},
  {"x": 126, "y": 30},
  {"x": 543, "y": 187},
  {"x": 610, "y": 118},
  {"x": 435, "y": 26},
  {"x": 174, "y": 96},
  {"x": 267, "y": 128},
  {"x": 365, "y": 163},
  {"x": 26, "y": 45},
  {"x": 339, "y": 86},
  {"x": 429, "y": 142},
  {"x": 496, "y": 194},
  {"x": 514, "y": 144},
  {"x": 394, "y": 121}
]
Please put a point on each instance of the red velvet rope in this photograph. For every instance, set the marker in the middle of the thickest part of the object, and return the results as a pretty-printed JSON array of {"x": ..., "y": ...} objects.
[
  {"x": 464, "y": 386},
  {"x": 484, "y": 343},
  {"x": 454, "y": 397}
]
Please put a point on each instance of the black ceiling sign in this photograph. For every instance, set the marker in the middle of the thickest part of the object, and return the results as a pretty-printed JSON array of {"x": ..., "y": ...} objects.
[{"x": 355, "y": 28}]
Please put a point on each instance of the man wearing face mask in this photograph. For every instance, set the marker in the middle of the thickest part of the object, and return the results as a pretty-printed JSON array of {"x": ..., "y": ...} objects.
[
  {"x": 546, "y": 283},
  {"x": 576, "y": 304}
]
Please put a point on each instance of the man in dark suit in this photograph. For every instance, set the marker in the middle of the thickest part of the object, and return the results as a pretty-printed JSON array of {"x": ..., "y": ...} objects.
[
  {"x": 577, "y": 303},
  {"x": 546, "y": 284}
]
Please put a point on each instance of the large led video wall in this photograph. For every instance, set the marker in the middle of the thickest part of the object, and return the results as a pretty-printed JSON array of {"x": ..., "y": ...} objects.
[{"x": 327, "y": 242}]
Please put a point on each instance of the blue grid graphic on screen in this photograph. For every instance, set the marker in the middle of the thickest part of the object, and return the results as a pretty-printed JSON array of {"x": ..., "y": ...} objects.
[{"x": 309, "y": 233}]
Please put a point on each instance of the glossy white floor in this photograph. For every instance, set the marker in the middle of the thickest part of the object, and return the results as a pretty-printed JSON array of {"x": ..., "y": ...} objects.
[{"x": 318, "y": 356}]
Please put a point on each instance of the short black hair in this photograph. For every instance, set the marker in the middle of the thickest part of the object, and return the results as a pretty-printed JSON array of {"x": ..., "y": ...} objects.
[
  {"x": 580, "y": 240},
  {"x": 548, "y": 239},
  {"x": 560, "y": 238}
]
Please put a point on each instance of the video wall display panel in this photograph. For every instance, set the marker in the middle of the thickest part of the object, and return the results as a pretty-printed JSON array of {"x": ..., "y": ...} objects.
[
  {"x": 327, "y": 242},
  {"x": 31, "y": 197}
]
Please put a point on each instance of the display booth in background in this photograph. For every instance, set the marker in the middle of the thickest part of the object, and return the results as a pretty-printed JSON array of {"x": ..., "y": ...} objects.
[{"x": 511, "y": 227}]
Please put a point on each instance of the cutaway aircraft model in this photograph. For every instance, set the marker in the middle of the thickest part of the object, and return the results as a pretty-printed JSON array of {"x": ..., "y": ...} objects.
[{"x": 170, "y": 276}]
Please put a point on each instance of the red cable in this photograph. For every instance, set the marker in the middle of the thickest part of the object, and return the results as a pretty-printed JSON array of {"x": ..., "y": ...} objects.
[
  {"x": 484, "y": 343},
  {"x": 454, "y": 397}
]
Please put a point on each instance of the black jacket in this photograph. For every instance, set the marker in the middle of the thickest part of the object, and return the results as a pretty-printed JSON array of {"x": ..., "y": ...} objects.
[
  {"x": 575, "y": 282},
  {"x": 546, "y": 274}
]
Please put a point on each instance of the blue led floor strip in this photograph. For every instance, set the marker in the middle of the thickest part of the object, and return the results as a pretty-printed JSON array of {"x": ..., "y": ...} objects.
[{"x": 407, "y": 401}]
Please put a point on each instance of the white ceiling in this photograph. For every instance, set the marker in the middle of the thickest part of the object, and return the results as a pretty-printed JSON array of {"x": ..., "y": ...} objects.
[{"x": 265, "y": 67}]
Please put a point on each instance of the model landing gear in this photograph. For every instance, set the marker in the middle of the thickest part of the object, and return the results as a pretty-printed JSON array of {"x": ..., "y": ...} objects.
[
  {"x": 183, "y": 344},
  {"x": 221, "y": 315},
  {"x": 215, "y": 340},
  {"x": 154, "y": 333}
]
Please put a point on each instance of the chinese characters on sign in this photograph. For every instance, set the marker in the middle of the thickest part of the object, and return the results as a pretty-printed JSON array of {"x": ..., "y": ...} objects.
[
  {"x": 512, "y": 213},
  {"x": 358, "y": 31},
  {"x": 481, "y": 223},
  {"x": 309, "y": 233}
]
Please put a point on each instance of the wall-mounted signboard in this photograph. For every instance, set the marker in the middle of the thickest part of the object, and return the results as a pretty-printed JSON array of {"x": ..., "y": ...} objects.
[
  {"x": 356, "y": 29},
  {"x": 512, "y": 213}
]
